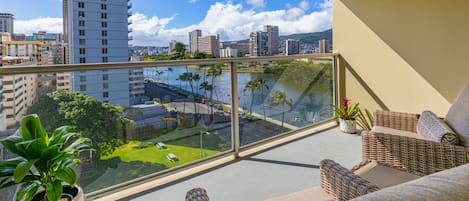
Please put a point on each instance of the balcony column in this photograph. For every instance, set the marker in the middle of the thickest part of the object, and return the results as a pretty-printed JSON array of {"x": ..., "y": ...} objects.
[
  {"x": 339, "y": 85},
  {"x": 234, "y": 109}
]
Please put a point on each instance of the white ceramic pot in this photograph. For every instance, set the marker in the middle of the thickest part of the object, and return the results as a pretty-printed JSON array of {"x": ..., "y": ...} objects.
[{"x": 348, "y": 126}]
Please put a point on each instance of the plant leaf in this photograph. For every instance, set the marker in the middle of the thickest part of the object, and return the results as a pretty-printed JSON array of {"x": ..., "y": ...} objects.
[
  {"x": 67, "y": 175},
  {"x": 7, "y": 167},
  {"x": 10, "y": 144},
  {"x": 27, "y": 191},
  {"x": 31, "y": 128},
  {"x": 22, "y": 169},
  {"x": 54, "y": 190}
]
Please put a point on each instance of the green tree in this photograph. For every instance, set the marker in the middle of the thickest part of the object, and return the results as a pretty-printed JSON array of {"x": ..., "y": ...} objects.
[
  {"x": 180, "y": 49},
  {"x": 101, "y": 122},
  {"x": 279, "y": 98}
]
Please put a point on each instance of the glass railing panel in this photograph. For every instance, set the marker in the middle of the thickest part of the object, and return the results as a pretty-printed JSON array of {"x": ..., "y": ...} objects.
[
  {"x": 141, "y": 121},
  {"x": 280, "y": 96}
]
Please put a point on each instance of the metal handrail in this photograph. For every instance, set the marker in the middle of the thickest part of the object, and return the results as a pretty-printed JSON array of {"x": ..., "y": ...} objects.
[{"x": 14, "y": 70}]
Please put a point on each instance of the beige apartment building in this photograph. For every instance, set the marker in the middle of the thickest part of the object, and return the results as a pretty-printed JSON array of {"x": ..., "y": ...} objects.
[
  {"x": 19, "y": 91},
  {"x": 209, "y": 45}
]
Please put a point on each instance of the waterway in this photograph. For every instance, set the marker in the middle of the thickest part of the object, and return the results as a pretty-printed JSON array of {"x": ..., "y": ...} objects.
[{"x": 309, "y": 105}]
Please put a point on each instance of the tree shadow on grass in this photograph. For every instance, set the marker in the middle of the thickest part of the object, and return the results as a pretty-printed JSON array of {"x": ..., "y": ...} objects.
[{"x": 106, "y": 173}]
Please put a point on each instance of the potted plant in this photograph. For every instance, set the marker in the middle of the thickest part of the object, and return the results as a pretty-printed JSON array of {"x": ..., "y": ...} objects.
[
  {"x": 43, "y": 163},
  {"x": 347, "y": 114}
]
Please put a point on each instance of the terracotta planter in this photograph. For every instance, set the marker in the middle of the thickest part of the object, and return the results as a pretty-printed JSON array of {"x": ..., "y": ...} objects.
[
  {"x": 72, "y": 193},
  {"x": 348, "y": 126}
]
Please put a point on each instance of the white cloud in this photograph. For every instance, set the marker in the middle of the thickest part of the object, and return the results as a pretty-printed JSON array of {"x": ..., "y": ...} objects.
[
  {"x": 48, "y": 24},
  {"x": 304, "y": 5},
  {"x": 232, "y": 22},
  {"x": 256, "y": 3}
]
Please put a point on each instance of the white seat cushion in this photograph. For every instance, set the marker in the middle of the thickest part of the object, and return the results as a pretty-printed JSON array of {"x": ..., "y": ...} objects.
[
  {"x": 382, "y": 176},
  {"x": 315, "y": 193},
  {"x": 382, "y": 129}
]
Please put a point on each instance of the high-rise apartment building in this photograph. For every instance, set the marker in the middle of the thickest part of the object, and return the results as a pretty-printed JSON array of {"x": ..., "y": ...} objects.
[
  {"x": 292, "y": 47},
  {"x": 193, "y": 40},
  {"x": 209, "y": 45},
  {"x": 6, "y": 23},
  {"x": 264, "y": 43},
  {"x": 258, "y": 44},
  {"x": 273, "y": 39},
  {"x": 97, "y": 32},
  {"x": 18, "y": 92},
  {"x": 323, "y": 46}
]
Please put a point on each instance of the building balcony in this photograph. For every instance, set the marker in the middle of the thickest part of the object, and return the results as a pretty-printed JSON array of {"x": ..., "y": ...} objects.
[
  {"x": 204, "y": 125},
  {"x": 236, "y": 150}
]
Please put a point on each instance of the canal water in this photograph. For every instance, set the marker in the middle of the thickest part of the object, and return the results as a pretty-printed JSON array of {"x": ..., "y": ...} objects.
[{"x": 309, "y": 105}]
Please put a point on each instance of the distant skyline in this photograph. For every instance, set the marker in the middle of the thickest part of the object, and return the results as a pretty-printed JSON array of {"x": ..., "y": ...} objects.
[{"x": 156, "y": 22}]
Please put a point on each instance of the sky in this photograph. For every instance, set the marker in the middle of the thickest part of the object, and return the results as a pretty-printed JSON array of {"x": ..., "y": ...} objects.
[{"x": 157, "y": 22}]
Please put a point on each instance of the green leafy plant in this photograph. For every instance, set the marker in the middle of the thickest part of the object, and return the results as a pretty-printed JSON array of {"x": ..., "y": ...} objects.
[
  {"x": 365, "y": 119},
  {"x": 43, "y": 161},
  {"x": 346, "y": 110}
]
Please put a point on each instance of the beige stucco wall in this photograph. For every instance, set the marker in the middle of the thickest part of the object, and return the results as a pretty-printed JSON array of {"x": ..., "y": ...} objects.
[{"x": 411, "y": 54}]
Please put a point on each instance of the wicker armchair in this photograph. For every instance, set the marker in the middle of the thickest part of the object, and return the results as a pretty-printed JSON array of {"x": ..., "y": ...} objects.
[
  {"x": 404, "y": 153},
  {"x": 416, "y": 155}
]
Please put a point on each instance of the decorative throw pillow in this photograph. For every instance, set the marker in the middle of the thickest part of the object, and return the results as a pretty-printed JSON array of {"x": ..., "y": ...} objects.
[{"x": 430, "y": 127}]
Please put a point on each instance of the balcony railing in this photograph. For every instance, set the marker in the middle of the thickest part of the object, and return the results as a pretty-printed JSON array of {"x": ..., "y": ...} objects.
[{"x": 190, "y": 111}]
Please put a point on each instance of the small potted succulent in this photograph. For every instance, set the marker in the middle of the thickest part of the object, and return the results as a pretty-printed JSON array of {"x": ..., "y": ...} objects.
[
  {"x": 347, "y": 114},
  {"x": 42, "y": 168}
]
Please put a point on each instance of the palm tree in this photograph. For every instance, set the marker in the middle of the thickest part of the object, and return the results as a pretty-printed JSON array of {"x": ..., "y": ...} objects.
[
  {"x": 251, "y": 86},
  {"x": 279, "y": 98},
  {"x": 213, "y": 72},
  {"x": 256, "y": 85},
  {"x": 168, "y": 71}
]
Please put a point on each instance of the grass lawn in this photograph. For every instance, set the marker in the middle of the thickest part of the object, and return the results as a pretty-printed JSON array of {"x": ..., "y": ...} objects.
[{"x": 129, "y": 152}]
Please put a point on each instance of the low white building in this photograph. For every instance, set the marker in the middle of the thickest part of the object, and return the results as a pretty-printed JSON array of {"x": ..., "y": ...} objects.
[{"x": 228, "y": 52}]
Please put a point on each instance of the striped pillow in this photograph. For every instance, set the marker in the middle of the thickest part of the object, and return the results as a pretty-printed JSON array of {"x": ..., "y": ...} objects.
[{"x": 430, "y": 127}]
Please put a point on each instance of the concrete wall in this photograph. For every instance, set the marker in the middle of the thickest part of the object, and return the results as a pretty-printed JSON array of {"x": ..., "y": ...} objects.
[{"x": 409, "y": 54}]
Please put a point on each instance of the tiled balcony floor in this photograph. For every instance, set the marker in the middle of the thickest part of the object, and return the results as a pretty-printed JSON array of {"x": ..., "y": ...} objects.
[{"x": 284, "y": 169}]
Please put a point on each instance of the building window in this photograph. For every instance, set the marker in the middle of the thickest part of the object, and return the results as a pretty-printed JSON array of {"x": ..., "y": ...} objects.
[
  {"x": 82, "y": 41},
  {"x": 104, "y": 24},
  {"x": 105, "y": 85},
  {"x": 81, "y": 13},
  {"x": 105, "y": 59},
  {"x": 104, "y": 50},
  {"x": 105, "y": 94},
  {"x": 105, "y": 77},
  {"x": 103, "y": 15},
  {"x": 82, "y": 60},
  {"x": 81, "y": 4},
  {"x": 81, "y": 32},
  {"x": 103, "y": 6},
  {"x": 82, "y": 87},
  {"x": 104, "y": 42},
  {"x": 81, "y": 23},
  {"x": 82, "y": 51},
  {"x": 82, "y": 78},
  {"x": 103, "y": 33}
]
